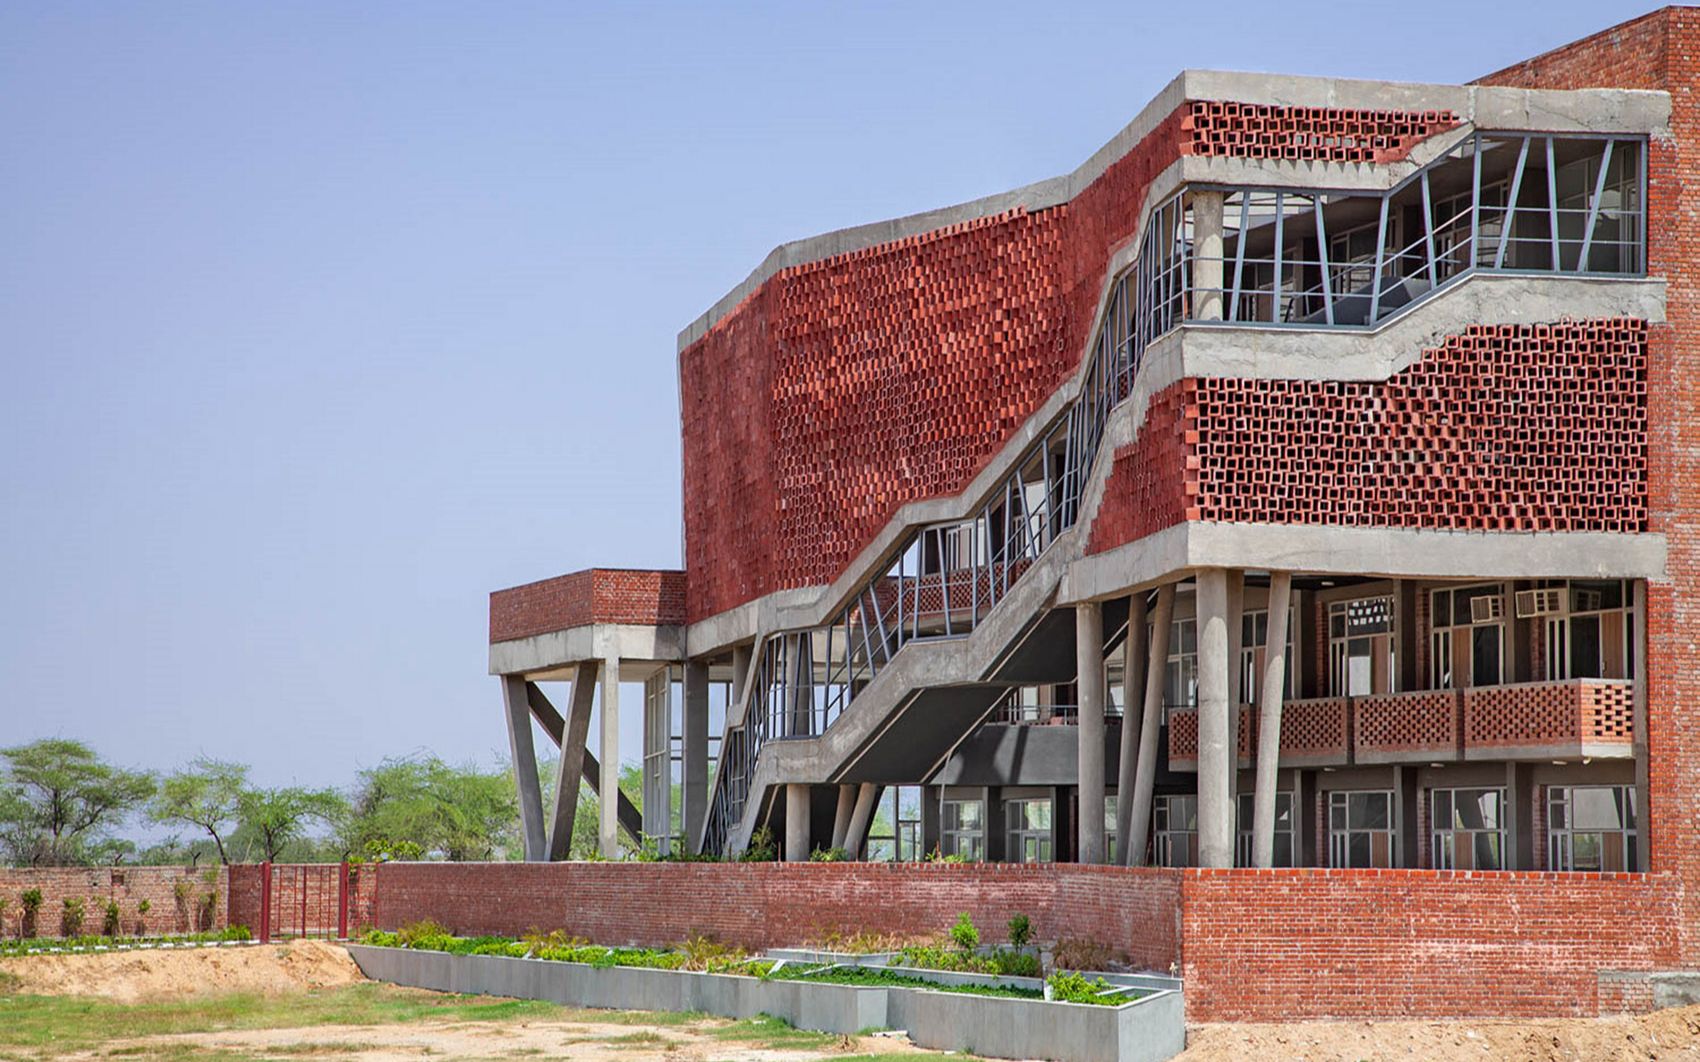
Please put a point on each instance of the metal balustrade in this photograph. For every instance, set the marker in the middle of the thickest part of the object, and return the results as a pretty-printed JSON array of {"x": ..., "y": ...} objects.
[{"x": 1465, "y": 212}]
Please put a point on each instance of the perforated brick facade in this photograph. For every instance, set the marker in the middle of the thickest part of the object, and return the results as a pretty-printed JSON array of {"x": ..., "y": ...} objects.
[
  {"x": 1503, "y": 428},
  {"x": 1308, "y": 134},
  {"x": 1405, "y": 725},
  {"x": 1550, "y": 713}
]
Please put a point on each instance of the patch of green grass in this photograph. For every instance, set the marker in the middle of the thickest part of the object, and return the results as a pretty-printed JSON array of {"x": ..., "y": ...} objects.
[
  {"x": 62, "y": 1024},
  {"x": 765, "y": 1030},
  {"x": 876, "y": 977}
]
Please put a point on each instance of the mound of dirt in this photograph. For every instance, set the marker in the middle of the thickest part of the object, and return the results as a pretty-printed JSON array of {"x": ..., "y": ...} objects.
[
  {"x": 1665, "y": 1034},
  {"x": 143, "y": 976}
]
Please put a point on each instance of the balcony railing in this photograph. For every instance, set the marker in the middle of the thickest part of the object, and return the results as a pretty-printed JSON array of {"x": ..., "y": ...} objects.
[{"x": 1566, "y": 719}]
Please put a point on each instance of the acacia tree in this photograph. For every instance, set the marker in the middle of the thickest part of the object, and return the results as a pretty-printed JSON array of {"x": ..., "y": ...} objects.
[
  {"x": 273, "y": 818},
  {"x": 207, "y": 794},
  {"x": 61, "y": 797},
  {"x": 421, "y": 806}
]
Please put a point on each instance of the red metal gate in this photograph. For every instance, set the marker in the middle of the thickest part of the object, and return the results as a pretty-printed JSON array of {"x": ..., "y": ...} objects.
[{"x": 304, "y": 900}]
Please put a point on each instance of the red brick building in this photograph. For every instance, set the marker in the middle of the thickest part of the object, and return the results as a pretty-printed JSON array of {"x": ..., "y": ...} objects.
[{"x": 1309, "y": 479}]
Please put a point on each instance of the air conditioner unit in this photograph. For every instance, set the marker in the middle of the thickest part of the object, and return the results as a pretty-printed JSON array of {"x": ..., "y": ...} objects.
[
  {"x": 1539, "y": 602},
  {"x": 1486, "y": 609}
]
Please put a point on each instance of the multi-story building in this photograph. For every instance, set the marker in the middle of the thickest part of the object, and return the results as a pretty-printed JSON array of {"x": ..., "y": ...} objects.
[{"x": 1307, "y": 479}]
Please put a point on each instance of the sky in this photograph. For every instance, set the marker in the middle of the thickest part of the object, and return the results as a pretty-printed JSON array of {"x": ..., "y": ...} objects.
[{"x": 319, "y": 321}]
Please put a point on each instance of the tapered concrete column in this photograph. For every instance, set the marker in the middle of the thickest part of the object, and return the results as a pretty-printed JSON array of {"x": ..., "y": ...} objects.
[
  {"x": 1215, "y": 734},
  {"x": 841, "y": 816},
  {"x": 608, "y": 802},
  {"x": 1638, "y": 739},
  {"x": 1134, "y": 651},
  {"x": 1090, "y": 682},
  {"x": 796, "y": 823},
  {"x": 1207, "y": 269},
  {"x": 518, "y": 705},
  {"x": 570, "y": 771},
  {"x": 1151, "y": 722},
  {"x": 1236, "y": 677},
  {"x": 856, "y": 837},
  {"x": 695, "y": 797},
  {"x": 742, "y": 657},
  {"x": 1269, "y": 721}
]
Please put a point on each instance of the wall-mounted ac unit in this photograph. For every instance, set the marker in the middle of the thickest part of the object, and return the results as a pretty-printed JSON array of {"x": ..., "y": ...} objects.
[
  {"x": 1540, "y": 602},
  {"x": 1486, "y": 609}
]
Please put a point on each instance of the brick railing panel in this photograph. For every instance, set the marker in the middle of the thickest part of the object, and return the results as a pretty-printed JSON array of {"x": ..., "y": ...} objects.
[
  {"x": 1314, "y": 727},
  {"x": 1406, "y": 722}
]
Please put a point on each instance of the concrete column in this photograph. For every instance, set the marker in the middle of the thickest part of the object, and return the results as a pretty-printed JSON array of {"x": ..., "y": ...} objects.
[
  {"x": 1150, "y": 727},
  {"x": 1207, "y": 269},
  {"x": 841, "y": 816},
  {"x": 570, "y": 772},
  {"x": 995, "y": 825},
  {"x": 856, "y": 837},
  {"x": 799, "y": 672},
  {"x": 608, "y": 802},
  {"x": 1638, "y": 740},
  {"x": 1406, "y": 794},
  {"x": 932, "y": 815},
  {"x": 1269, "y": 722},
  {"x": 1236, "y": 673},
  {"x": 796, "y": 823},
  {"x": 1519, "y": 816},
  {"x": 518, "y": 705},
  {"x": 695, "y": 797},
  {"x": 1136, "y": 648},
  {"x": 1216, "y": 766},
  {"x": 1090, "y": 682}
]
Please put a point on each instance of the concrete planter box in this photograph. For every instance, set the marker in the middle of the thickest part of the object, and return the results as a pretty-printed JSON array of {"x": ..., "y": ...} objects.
[{"x": 1149, "y": 1030}]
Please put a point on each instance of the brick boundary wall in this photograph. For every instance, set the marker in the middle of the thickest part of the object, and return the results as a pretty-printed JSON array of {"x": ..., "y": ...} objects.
[
  {"x": 1252, "y": 945},
  {"x": 128, "y": 885}
]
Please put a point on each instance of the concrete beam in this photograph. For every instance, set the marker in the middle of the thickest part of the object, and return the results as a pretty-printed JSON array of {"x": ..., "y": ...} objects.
[
  {"x": 555, "y": 726},
  {"x": 1090, "y": 684}
]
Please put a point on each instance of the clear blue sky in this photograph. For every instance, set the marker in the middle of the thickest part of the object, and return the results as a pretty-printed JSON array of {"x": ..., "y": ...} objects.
[{"x": 318, "y": 321}]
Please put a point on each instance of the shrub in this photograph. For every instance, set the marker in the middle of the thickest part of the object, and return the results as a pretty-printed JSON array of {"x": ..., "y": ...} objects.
[
  {"x": 964, "y": 934},
  {"x": 71, "y": 918},
  {"x": 424, "y": 934},
  {"x": 32, "y": 906},
  {"x": 109, "y": 926},
  {"x": 5, "y": 902},
  {"x": 208, "y": 913},
  {"x": 142, "y": 910},
  {"x": 1077, "y": 954},
  {"x": 828, "y": 855},
  {"x": 762, "y": 847},
  {"x": 1020, "y": 931},
  {"x": 1074, "y": 988}
]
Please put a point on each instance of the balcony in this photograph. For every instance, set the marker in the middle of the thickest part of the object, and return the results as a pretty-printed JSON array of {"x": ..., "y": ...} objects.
[{"x": 1569, "y": 719}]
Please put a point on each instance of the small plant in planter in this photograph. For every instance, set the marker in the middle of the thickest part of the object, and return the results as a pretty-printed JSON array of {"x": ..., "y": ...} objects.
[
  {"x": 963, "y": 933},
  {"x": 71, "y": 918},
  {"x": 1020, "y": 931},
  {"x": 109, "y": 924},
  {"x": 32, "y": 912},
  {"x": 142, "y": 910}
]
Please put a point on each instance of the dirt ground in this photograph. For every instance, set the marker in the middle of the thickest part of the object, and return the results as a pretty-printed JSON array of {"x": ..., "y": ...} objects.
[
  {"x": 282, "y": 972},
  {"x": 147, "y": 976}
]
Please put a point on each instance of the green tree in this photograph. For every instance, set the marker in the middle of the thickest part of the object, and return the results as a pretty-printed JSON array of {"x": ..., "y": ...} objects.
[
  {"x": 271, "y": 819},
  {"x": 61, "y": 798},
  {"x": 207, "y": 795},
  {"x": 422, "y": 805}
]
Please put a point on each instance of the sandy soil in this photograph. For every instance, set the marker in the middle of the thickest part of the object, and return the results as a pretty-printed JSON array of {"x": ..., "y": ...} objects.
[
  {"x": 580, "y": 1041},
  {"x": 144, "y": 976},
  {"x": 1667, "y": 1034}
]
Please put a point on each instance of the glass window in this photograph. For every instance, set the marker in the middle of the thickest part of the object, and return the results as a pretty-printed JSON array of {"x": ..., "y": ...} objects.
[
  {"x": 1360, "y": 828},
  {"x": 895, "y": 832},
  {"x": 1028, "y": 825},
  {"x": 1175, "y": 830},
  {"x": 1595, "y": 636},
  {"x": 1254, "y": 654},
  {"x": 1111, "y": 853},
  {"x": 1468, "y": 829},
  {"x": 1592, "y": 828},
  {"x": 963, "y": 828},
  {"x": 1467, "y": 636},
  {"x": 1360, "y": 646},
  {"x": 1244, "y": 807},
  {"x": 1180, "y": 675}
]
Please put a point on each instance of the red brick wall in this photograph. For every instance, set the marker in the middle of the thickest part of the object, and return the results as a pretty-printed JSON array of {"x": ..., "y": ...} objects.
[
  {"x": 842, "y": 389},
  {"x": 774, "y": 904},
  {"x": 1662, "y": 51},
  {"x": 96, "y": 885},
  {"x": 1294, "y": 944},
  {"x": 595, "y": 595},
  {"x": 1503, "y": 428}
]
